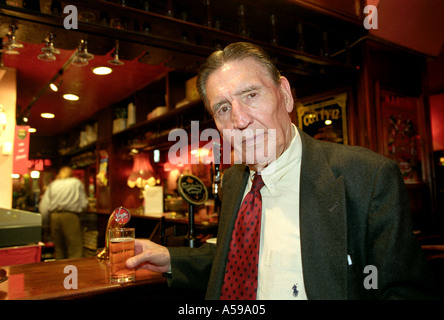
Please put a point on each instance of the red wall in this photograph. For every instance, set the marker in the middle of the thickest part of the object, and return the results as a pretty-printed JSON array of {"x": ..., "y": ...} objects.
[{"x": 437, "y": 120}]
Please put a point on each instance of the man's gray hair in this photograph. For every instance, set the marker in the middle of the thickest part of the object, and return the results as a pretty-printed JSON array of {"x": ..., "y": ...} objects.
[{"x": 233, "y": 52}]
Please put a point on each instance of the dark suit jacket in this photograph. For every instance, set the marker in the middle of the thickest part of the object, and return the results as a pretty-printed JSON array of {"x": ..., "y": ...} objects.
[{"x": 352, "y": 202}]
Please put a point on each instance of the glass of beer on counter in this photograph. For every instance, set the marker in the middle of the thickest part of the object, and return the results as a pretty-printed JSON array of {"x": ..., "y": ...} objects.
[{"x": 121, "y": 248}]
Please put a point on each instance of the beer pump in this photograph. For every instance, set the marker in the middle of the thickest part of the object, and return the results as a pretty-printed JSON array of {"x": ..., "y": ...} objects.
[
  {"x": 117, "y": 219},
  {"x": 193, "y": 191}
]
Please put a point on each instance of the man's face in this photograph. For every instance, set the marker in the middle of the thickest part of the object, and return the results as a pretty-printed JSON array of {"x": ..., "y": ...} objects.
[{"x": 249, "y": 108}]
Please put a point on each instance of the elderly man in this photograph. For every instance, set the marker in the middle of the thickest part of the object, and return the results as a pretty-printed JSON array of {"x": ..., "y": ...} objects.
[{"x": 322, "y": 220}]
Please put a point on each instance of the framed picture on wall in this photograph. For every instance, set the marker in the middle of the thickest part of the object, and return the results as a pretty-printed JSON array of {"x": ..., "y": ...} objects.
[
  {"x": 400, "y": 136},
  {"x": 324, "y": 117}
]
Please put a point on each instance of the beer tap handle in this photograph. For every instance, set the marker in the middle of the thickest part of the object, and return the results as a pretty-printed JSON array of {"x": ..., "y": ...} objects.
[{"x": 118, "y": 218}]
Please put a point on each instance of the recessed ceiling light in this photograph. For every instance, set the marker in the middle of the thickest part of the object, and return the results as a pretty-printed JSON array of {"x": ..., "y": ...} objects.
[
  {"x": 47, "y": 115},
  {"x": 102, "y": 70},
  {"x": 53, "y": 87},
  {"x": 71, "y": 97},
  {"x": 32, "y": 130}
]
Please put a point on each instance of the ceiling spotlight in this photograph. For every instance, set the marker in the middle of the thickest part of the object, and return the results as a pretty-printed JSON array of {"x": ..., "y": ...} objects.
[
  {"x": 70, "y": 97},
  {"x": 82, "y": 55},
  {"x": 48, "y": 50},
  {"x": 11, "y": 44},
  {"x": 9, "y": 50},
  {"x": 47, "y": 115},
  {"x": 83, "y": 50},
  {"x": 22, "y": 120},
  {"x": 11, "y": 38},
  {"x": 47, "y": 56},
  {"x": 80, "y": 62},
  {"x": 115, "y": 61},
  {"x": 102, "y": 70},
  {"x": 32, "y": 130},
  {"x": 53, "y": 87}
]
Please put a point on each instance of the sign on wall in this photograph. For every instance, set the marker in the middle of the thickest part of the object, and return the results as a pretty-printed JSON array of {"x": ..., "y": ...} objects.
[
  {"x": 21, "y": 150},
  {"x": 325, "y": 118}
]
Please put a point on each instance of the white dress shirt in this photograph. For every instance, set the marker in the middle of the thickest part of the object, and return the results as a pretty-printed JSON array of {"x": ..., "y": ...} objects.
[
  {"x": 64, "y": 195},
  {"x": 280, "y": 264}
]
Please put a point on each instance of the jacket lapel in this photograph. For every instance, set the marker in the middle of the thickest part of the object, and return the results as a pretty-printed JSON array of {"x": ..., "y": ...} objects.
[
  {"x": 232, "y": 202},
  {"x": 323, "y": 225}
]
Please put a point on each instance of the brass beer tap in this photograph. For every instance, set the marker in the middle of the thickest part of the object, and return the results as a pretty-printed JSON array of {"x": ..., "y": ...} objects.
[{"x": 117, "y": 219}]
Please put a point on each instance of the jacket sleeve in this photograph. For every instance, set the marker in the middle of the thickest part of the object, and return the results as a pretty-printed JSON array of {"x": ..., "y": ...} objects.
[
  {"x": 402, "y": 271},
  {"x": 190, "y": 267}
]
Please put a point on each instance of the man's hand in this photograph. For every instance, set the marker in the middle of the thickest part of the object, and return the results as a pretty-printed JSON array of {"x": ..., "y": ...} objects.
[{"x": 150, "y": 256}]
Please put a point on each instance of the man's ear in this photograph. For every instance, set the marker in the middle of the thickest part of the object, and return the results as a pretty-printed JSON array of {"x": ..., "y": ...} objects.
[{"x": 286, "y": 91}]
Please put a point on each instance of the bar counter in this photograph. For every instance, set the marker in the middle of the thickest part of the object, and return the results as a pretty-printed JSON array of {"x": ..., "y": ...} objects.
[{"x": 46, "y": 280}]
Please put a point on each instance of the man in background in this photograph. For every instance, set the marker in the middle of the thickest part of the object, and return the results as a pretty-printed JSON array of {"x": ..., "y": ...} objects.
[{"x": 64, "y": 200}]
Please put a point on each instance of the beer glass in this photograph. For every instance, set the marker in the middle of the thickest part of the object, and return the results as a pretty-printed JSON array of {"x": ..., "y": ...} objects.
[{"x": 121, "y": 248}]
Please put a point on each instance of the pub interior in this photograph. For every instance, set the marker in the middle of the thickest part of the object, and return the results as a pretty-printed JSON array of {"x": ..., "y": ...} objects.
[{"x": 372, "y": 79}]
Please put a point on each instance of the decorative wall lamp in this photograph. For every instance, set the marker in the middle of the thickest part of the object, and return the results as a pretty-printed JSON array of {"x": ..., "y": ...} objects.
[
  {"x": 143, "y": 178},
  {"x": 142, "y": 173}
]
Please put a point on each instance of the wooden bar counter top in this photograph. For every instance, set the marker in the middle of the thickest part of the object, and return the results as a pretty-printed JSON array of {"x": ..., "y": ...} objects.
[{"x": 47, "y": 280}]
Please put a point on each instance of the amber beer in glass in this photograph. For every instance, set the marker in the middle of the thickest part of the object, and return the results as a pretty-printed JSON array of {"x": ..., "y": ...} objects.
[{"x": 121, "y": 248}]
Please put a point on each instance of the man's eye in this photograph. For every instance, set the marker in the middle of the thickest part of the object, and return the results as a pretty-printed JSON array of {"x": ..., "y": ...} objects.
[{"x": 222, "y": 110}]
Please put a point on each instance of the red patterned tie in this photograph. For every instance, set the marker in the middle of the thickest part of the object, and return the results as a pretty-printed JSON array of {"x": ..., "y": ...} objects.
[{"x": 240, "y": 280}]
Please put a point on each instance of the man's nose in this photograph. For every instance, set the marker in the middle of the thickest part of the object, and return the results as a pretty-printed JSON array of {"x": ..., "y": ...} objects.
[{"x": 240, "y": 116}]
